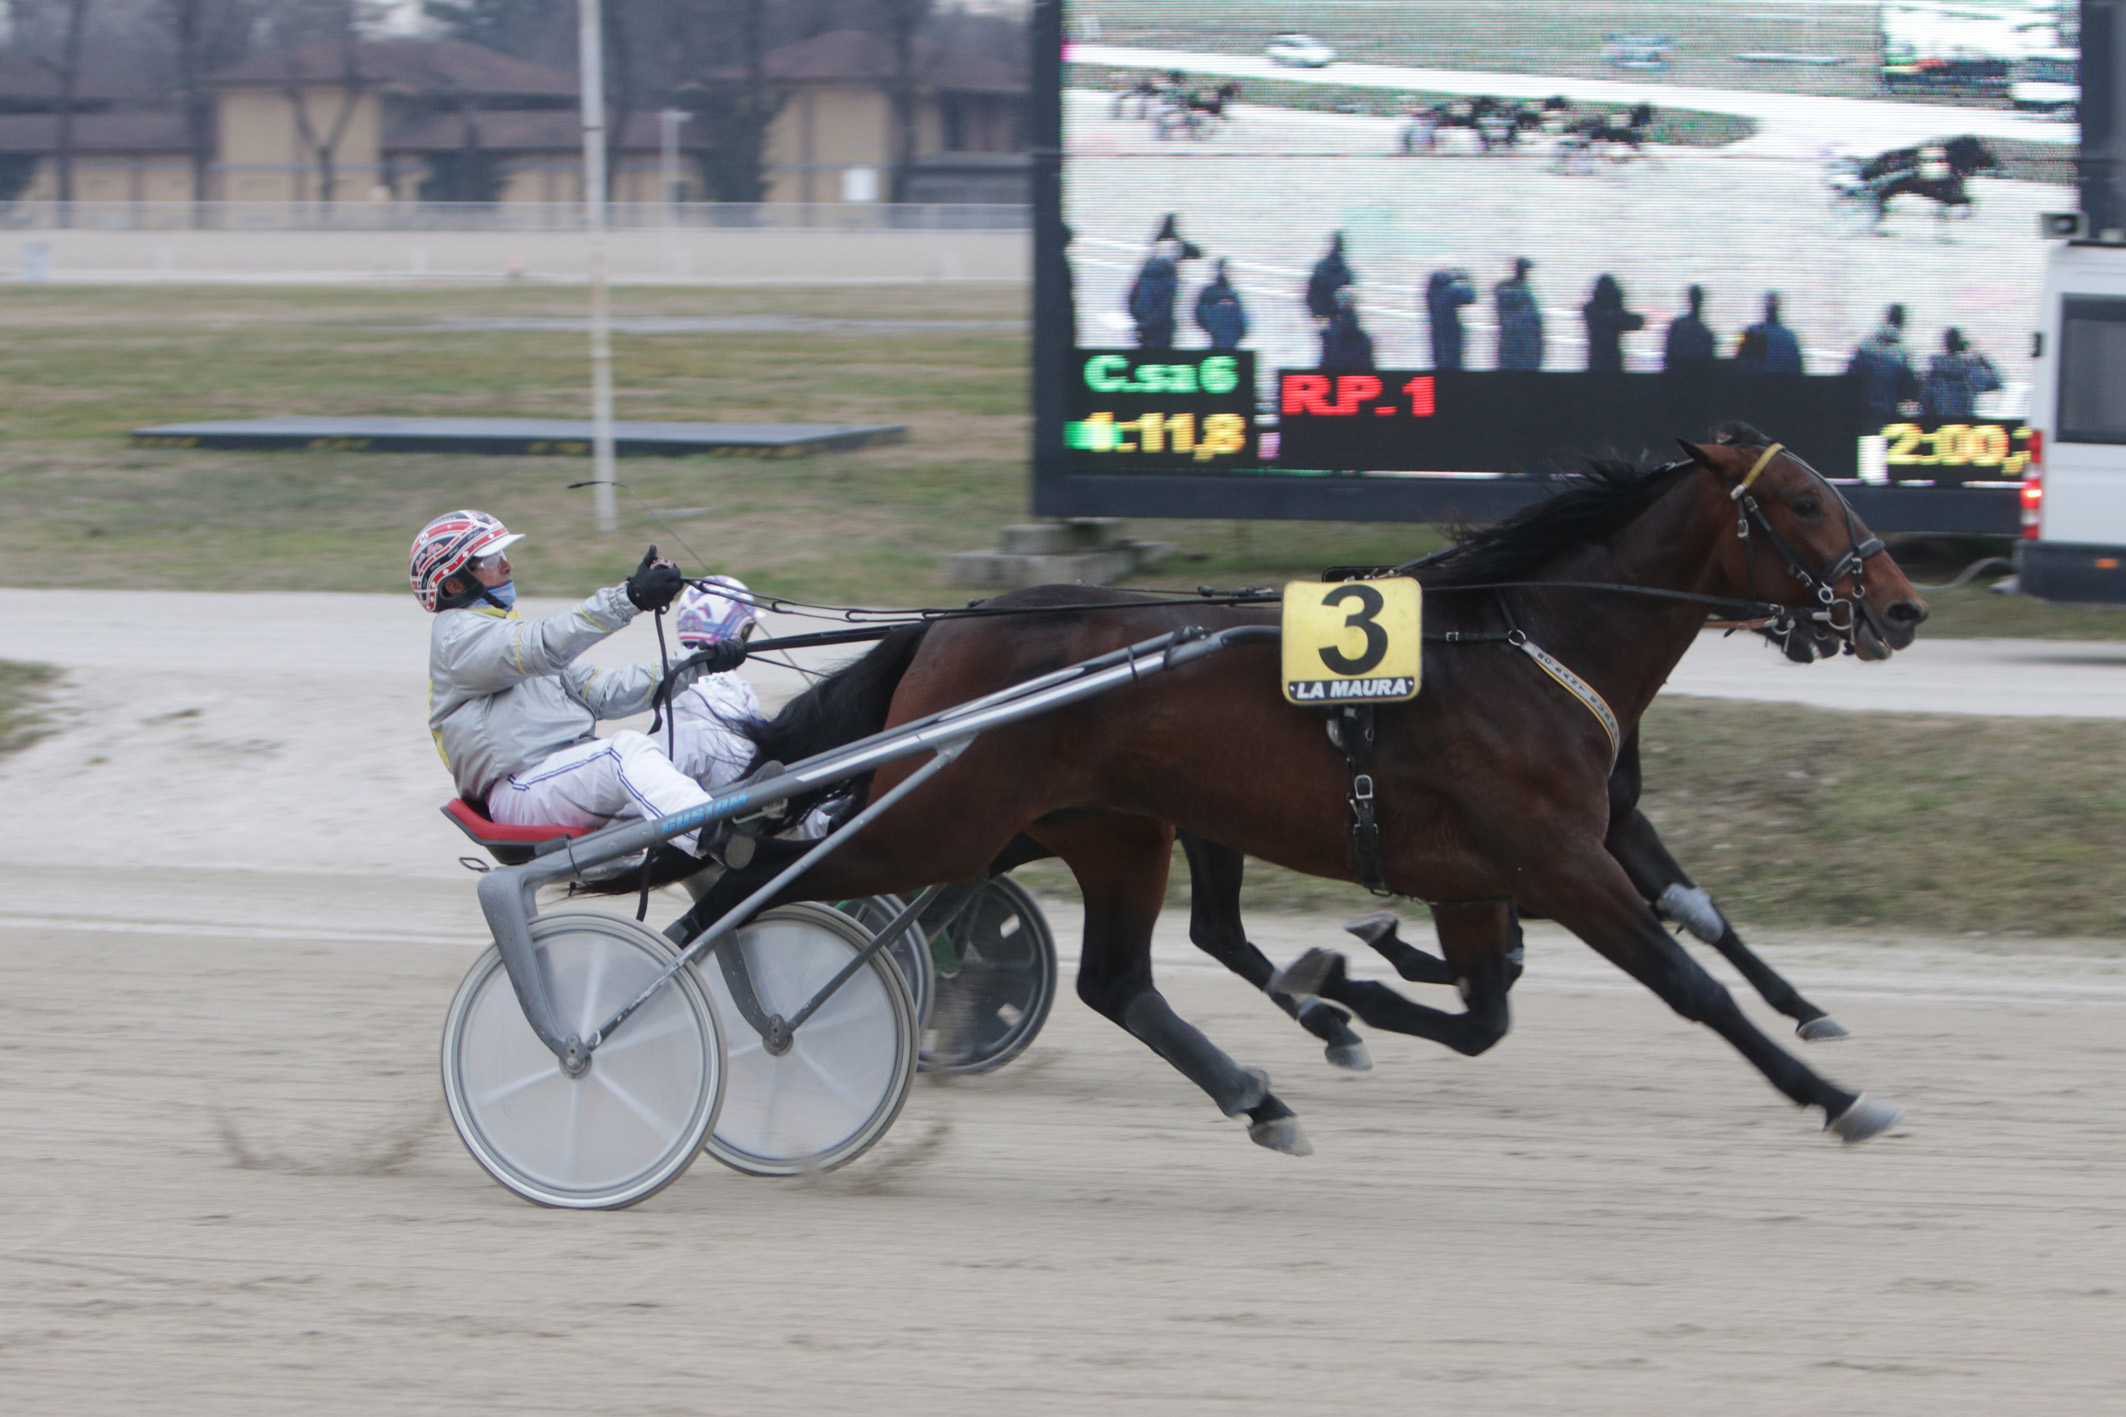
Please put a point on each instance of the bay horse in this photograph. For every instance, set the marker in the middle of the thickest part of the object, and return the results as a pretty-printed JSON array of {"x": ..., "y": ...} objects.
[
  {"x": 1937, "y": 172},
  {"x": 1491, "y": 785}
]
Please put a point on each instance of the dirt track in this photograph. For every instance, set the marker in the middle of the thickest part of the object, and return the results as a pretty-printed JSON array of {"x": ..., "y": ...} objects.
[{"x": 228, "y": 1187}]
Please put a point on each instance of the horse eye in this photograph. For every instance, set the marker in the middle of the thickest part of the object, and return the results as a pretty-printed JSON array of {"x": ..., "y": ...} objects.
[{"x": 1807, "y": 507}]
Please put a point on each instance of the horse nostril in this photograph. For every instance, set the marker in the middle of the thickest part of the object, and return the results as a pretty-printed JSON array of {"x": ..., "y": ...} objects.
[{"x": 1906, "y": 613}]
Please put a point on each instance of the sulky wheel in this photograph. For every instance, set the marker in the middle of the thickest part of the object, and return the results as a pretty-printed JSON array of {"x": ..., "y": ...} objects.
[
  {"x": 835, "y": 1089},
  {"x": 911, "y": 951},
  {"x": 636, "y": 1117},
  {"x": 996, "y": 977}
]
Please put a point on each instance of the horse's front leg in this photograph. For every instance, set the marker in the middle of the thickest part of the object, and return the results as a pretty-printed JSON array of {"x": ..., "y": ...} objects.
[
  {"x": 1662, "y": 881},
  {"x": 1588, "y": 893}
]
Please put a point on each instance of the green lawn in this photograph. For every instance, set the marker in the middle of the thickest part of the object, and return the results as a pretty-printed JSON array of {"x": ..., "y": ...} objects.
[
  {"x": 22, "y": 704},
  {"x": 1797, "y": 817}
]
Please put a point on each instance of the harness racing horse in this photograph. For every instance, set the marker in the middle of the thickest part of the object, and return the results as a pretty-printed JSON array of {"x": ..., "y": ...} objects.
[
  {"x": 1936, "y": 172},
  {"x": 1491, "y": 786},
  {"x": 1195, "y": 113},
  {"x": 1496, "y": 123},
  {"x": 1617, "y": 136}
]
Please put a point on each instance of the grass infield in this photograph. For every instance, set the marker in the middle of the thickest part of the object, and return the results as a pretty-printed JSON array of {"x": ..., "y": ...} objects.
[
  {"x": 23, "y": 718},
  {"x": 1901, "y": 823}
]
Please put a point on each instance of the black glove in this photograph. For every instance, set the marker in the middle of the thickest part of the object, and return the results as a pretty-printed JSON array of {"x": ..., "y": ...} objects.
[
  {"x": 655, "y": 583},
  {"x": 721, "y": 657}
]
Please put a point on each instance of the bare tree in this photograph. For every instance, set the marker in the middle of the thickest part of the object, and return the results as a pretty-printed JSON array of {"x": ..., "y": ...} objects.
[
  {"x": 208, "y": 35},
  {"x": 904, "y": 20},
  {"x": 336, "y": 22},
  {"x": 51, "y": 34}
]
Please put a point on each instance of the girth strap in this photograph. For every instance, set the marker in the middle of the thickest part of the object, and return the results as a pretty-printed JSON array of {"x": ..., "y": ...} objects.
[
  {"x": 1351, "y": 729},
  {"x": 1577, "y": 687}
]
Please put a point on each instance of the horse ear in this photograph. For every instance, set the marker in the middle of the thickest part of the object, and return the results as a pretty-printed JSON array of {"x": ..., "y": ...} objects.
[{"x": 1701, "y": 456}]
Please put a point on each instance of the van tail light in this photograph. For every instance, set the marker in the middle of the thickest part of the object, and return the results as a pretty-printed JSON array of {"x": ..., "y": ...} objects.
[{"x": 2033, "y": 493}]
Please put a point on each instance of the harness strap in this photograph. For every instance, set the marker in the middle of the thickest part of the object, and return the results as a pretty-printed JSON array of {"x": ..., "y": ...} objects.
[
  {"x": 1579, "y": 688},
  {"x": 1744, "y": 485},
  {"x": 1351, "y": 729}
]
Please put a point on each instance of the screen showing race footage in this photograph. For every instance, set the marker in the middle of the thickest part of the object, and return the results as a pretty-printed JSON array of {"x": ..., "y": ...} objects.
[{"x": 1413, "y": 239}]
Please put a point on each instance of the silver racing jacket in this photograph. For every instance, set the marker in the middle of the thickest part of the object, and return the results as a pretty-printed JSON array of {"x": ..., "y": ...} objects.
[{"x": 505, "y": 692}]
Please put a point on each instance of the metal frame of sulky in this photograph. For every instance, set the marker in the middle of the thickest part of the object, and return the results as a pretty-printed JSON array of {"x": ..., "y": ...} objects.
[{"x": 508, "y": 895}]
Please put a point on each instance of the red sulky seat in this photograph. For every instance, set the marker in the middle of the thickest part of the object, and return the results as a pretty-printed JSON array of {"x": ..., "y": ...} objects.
[{"x": 512, "y": 846}]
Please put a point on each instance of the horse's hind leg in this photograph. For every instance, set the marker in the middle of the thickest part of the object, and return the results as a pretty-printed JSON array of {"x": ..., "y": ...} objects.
[
  {"x": 1663, "y": 882},
  {"x": 1474, "y": 936},
  {"x": 1121, "y": 864},
  {"x": 1215, "y": 873}
]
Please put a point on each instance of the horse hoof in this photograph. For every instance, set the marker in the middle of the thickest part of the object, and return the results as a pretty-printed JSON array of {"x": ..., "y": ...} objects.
[
  {"x": 1864, "y": 1119},
  {"x": 1281, "y": 1134},
  {"x": 1380, "y": 925},
  {"x": 1352, "y": 1057},
  {"x": 1816, "y": 1030},
  {"x": 1306, "y": 974}
]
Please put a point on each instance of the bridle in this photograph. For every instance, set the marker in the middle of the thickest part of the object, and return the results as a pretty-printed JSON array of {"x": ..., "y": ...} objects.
[{"x": 1823, "y": 583}]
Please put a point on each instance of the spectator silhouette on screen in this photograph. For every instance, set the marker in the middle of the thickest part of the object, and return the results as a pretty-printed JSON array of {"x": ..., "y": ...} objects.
[
  {"x": 1219, "y": 312},
  {"x": 1607, "y": 324},
  {"x": 1690, "y": 343},
  {"x": 1957, "y": 376},
  {"x": 1158, "y": 284},
  {"x": 1344, "y": 344},
  {"x": 1768, "y": 347},
  {"x": 1446, "y": 292},
  {"x": 1883, "y": 366},
  {"x": 1331, "y": 275},
  {"x": 1520, "y": 319}
]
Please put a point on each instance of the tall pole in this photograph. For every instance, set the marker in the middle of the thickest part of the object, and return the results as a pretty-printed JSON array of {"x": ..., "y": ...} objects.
[
  {"x": 590, "y": 41},
  {"x": 668, "y": 121}
]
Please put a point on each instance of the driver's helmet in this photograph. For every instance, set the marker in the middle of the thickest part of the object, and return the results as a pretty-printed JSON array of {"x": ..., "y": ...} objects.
[
  {"x": 443, "y": 548},
  {"x": 714, "y": 609}
]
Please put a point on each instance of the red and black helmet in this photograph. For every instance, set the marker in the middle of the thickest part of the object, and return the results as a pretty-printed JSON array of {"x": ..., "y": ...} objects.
[{"x": 445, "y": 547}]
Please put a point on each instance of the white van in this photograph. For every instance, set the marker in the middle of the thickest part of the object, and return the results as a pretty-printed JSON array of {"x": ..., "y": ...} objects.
[
  {"x": 2074, "y": 493},
  {"x": 2047, "y": 81}
]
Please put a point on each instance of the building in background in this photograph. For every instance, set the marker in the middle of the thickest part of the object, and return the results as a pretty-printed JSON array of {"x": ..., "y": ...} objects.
[
  {"x": 832, "y": 137},
  {"x": 404, "y": 120}
]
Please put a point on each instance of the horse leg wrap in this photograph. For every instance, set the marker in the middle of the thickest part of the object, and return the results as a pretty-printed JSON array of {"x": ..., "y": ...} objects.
[
  {"x": 1692, "y": 907},
  {"x": 1235, "y": 1089}
]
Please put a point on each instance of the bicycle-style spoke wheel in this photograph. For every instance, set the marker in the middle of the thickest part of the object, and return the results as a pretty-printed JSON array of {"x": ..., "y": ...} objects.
[
  {"x": 911, "y": 951},
  {"x": 635, "y": 1120},
  {"x": 841, "y": 1082},
  {"x": 996, "y": 978}
]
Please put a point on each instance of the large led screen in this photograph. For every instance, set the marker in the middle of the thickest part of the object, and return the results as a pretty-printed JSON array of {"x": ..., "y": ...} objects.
[{"x": 1421, "y": 244}]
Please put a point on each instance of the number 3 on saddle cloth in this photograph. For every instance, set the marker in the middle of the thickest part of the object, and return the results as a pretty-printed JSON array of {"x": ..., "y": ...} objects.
[{"x": 1347, "y": 647}]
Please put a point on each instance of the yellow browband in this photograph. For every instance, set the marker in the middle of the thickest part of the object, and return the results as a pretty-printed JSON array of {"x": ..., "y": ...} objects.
[{"x": 1769, "y": 453}]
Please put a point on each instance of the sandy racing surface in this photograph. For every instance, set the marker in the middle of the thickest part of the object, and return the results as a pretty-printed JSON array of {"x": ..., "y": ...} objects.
[
  {"x": 229, "y": 1188},
  {"x": 227, "y": 1184}
]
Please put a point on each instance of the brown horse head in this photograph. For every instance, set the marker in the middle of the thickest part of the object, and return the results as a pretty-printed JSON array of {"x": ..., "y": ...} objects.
[{"x": 1801, "y": 544}]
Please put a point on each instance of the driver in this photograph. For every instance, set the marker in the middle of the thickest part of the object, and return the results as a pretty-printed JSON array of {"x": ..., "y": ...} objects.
[{"x": 511, "y": 710}]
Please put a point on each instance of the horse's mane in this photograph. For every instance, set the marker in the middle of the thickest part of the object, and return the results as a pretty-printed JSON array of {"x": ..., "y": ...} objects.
[{"x": 1606, "y": 498}]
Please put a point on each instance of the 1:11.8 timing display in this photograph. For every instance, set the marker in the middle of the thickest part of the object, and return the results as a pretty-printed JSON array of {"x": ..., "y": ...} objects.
[{"x": 1162, "y": 410}]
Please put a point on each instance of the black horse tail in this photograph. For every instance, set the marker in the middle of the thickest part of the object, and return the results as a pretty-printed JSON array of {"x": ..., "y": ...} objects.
[{"x": 848, "y": 704}]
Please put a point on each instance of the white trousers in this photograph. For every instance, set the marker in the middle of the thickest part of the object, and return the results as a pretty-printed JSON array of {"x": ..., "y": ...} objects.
[
  {"x": 706, "y": 743},
  {"x": 630, "y": 775}
]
